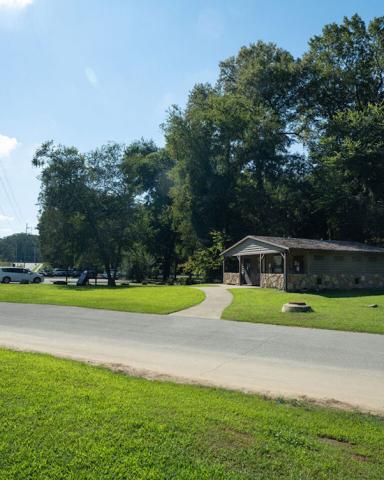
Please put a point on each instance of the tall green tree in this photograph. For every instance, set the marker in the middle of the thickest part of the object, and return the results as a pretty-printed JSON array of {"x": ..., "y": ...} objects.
[
  {"x": 350, "y": 156},
  {"x": 149, "y": 168},
  {"x": 203, "y": 183},
  {"x": 341, "y": 108},
  {"x": 278, "y": 146},
  {"x": 20, "y": 247},
  {"x": 342, "y": 70},
  {"x": 92, "y": 197},
  {"x": 232, "y": 147}
]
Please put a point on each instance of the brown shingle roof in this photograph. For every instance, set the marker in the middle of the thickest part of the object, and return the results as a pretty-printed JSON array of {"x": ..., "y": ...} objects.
[{"x": 326, "y": 245}]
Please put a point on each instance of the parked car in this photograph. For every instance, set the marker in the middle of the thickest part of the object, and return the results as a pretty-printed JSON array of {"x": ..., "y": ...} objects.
[
  {"x": 60, "y": 272},
  {"x": 46, "y": 272},
  {"x": 15, "y": 274}
]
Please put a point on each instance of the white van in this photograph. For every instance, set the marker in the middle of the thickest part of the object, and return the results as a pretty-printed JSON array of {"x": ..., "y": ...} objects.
[{"x": 15, "y": 274}]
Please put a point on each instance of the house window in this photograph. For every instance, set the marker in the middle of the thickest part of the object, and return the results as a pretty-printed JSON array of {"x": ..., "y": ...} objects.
[
  {"x": 278, "y": 264},
  {"x": 318, "y": 258},
  {"x": 275, "y": 264},
  {"x": 298, "y": 264},
  {"x": 231, "y": 265}
]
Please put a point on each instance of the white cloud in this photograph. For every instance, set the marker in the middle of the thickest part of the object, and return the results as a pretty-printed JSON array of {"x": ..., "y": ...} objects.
[
  {"x": 91, "y": 76},
  {"x": 16, "y": 4},
  {"x": 5, "y": 218},
  {"x": 7, "y": 144}
]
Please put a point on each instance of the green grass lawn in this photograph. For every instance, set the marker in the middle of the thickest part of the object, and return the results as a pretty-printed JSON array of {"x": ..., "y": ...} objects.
[
  {"x": 65, "y": 420},
  {"x": 333, "y": 310},
  {"x": 152, "y": 299}
]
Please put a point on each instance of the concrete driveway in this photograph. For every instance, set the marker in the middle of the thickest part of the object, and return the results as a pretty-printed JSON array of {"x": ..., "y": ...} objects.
[
  {"x": 320, "y": 364},
  {"x": 217, "y": 299}
]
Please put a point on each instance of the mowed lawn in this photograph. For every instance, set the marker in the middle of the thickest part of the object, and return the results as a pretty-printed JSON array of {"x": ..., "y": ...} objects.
[
  {"x": 151, "y": 299},
  {"x": 65, "y": 420},
  {"x": 334, "y": 310}
]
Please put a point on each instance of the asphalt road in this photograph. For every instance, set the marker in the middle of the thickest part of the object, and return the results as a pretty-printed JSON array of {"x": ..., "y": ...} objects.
[{"x": 320, "y": 364}]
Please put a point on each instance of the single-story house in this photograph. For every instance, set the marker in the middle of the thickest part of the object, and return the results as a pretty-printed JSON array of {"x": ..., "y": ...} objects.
[{"x": 295, "y": 264}]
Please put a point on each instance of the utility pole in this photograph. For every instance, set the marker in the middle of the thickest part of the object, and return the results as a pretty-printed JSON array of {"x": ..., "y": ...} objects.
[{"x": 28, "y": 231}]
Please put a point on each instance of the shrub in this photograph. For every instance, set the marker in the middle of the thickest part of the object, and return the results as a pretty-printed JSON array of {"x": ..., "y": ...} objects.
[{"x": 206, "y": 262}]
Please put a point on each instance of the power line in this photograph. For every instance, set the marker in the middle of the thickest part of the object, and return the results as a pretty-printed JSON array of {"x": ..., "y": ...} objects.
[
  {"x": 10, "y": 203},
  {"x": 5, "y": 216},
  {"x": 7, "y": 187},
  {"x": 10, "y": 189}
]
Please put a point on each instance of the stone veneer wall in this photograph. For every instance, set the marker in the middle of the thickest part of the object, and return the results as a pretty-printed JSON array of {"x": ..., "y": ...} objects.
[
  {"x": 231, "y": 278},
  {"x": 297, "y": 282},
  {"x": 345, "y": 281},
  {"x": 272, "y": 280}
]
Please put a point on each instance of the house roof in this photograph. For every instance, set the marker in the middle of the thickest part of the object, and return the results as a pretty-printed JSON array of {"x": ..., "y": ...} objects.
[{"x": 287, "y": 243}]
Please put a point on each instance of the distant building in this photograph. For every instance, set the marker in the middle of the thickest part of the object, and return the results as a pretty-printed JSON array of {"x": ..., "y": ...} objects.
[{"x": 295, "y": 264}]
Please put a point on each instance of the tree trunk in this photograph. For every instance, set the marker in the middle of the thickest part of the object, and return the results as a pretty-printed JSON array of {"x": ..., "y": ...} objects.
[
  {"x": 111, "y": 278},
  {"x": 167, "y": 263}
]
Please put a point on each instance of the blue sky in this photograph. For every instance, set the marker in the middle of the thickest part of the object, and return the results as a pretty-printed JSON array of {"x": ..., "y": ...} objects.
[{"x": 84, "y": 72}]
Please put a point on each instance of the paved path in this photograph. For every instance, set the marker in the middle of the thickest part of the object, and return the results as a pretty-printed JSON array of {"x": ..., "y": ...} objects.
[
  {"x": 321, "y": 364},
  {"x": 216, "y": 300}
]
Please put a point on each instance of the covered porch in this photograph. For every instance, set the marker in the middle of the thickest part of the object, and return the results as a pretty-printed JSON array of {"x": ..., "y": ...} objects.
[
  {"x": 259, "y": 262},
  {"x": 297, "y": 264},
  {"x": 263, "y": 270}
]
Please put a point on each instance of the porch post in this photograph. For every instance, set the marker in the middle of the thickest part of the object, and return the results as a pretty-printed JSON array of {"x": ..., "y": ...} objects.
[
  {"x": 285, "y": 272},
  {"x": 223, "y": 268},
  {"x": 240, "y": 265},
  {"x": 262, "y": 256}
]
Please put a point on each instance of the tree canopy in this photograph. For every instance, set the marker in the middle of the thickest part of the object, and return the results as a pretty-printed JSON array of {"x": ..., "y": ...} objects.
[
  {"x": 20, "y": 247},
  {"x": 278, "y": 145}
]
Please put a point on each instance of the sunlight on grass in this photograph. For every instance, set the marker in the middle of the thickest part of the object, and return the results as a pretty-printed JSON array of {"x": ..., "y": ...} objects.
[
  {"x": 336, "y": 310},
  {"x": 65, "y": 420},
  {"x": 153, "y": 299}
]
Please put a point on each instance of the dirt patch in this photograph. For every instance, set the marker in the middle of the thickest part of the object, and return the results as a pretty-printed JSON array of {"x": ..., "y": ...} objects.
[
  {"x": 229, "y": 439},
  {"x": 345, "y": 445},
  {"x": 151, "y": 375},
  {"x": 240, "y": 439},
  {"x": 333, "y": 403},
  {"x": 360, "y": 458},
  {"x": 158, "y": 376},
  {"x": 148, "y": 374},
  {"x": 336, "y": 442}
]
